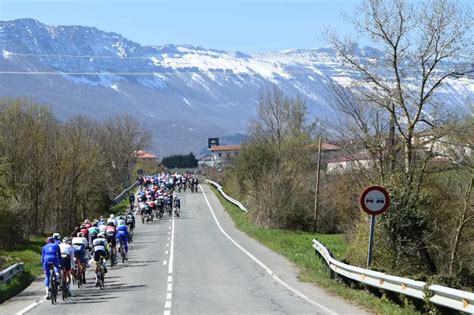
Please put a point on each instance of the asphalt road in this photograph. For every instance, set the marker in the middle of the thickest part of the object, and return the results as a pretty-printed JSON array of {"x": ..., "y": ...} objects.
[{"x": 197, "y": 264}]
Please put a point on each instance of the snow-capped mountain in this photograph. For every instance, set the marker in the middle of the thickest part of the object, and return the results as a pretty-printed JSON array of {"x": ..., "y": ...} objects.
[{"x": 185, "y": 93}]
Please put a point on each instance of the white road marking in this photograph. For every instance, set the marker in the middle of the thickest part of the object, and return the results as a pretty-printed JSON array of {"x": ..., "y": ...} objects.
[
  {"x": 30, "y": 307},
  {"x": 169, "y": 285},
  {"x": 261, "y": 264},
  {"x": 169, "y": 233},
  {"x": 169, "y": 227},
  {"x": 168, "y": 238},
  {"x": 165, "y": 262}
]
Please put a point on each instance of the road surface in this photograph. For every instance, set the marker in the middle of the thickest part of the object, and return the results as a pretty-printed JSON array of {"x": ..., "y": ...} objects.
[{"x": 197, "y": 264}]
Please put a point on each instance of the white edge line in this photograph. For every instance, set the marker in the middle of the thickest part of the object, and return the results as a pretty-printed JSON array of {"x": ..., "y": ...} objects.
[
  {"x": 30, "y": 307},
  {"x": 268, "y": 270}
]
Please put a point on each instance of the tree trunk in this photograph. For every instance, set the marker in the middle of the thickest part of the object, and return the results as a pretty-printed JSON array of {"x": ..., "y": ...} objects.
[{"x": 459, "y": 230}]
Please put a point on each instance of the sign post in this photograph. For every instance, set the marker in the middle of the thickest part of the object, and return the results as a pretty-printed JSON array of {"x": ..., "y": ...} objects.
[{"x": 374, "y": 200}]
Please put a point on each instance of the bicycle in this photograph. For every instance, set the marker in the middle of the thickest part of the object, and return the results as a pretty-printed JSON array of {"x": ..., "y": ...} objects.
[
  {"x": 100, "y": 273},
  {"x": 177, "y": 211},
  {"x": 130, "y": 234},
  {"x": 53, "y": 284},
  {"x": 113, "y": 256},
  {"x": 122, "y": 252},
  {"x": 77, "y": 275},
  {"x": 64, "y": 289}
]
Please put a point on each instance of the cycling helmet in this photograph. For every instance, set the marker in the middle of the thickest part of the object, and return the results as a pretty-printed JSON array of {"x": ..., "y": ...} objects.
[
  {"x": 111, "y": 223},
  {"x": 50, "y": 239},
  {"x": 87, "y": 221},
  {"x": 82, "y": 226},
  {"x": 57, "y": 236},
  {"x": 67, "y": 240},
  {"x": 101, "y": 235},
  {"x": 112, "y": 216},
  {"x": 80, "y": 234}
]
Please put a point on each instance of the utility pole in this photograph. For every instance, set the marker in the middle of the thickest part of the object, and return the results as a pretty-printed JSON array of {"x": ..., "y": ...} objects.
[{"x": 316, "y": 197}]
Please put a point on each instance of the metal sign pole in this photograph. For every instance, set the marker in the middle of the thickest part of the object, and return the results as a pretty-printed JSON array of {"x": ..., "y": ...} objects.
[{"x": 371, "y": 240}]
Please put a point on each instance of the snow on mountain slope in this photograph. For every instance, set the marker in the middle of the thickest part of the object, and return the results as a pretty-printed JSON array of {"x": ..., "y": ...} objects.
[{"x": 82, "y": 70}]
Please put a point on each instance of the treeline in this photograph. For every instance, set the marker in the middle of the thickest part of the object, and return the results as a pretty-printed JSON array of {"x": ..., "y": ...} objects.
[
  {"x": 54, "y": 174},
  {"x": 180, "y": 161}
]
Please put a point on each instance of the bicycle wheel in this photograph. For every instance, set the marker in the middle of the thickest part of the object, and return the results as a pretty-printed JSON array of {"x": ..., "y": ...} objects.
[
  {"x": 122, "y": 252},
  {"x": 64, "y": 290},
  {"x": 101, "y": 279},
  {"x": 79, "y": 278},
  {"x": 53, "y": 287}
]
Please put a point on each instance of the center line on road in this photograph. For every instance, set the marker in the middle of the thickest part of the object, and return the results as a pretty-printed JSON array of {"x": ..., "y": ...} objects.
[
  {"x": 261, "y": 264},
  {"x": 169, "y": 285},
  {"x": 164, "y": 262}
]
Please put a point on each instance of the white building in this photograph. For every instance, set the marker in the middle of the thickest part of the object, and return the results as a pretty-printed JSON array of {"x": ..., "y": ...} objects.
[
  {"x": 346, "y": 163},
  {"x": 222, "y": 154},
  {"x": 206, "y": 160}
]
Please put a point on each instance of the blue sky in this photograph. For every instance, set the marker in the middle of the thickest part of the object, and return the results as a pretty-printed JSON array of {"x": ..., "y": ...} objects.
[{"x": 244, "y": 25}]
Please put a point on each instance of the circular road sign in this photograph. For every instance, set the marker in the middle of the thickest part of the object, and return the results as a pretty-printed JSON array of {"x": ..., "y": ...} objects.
[{"x": 375, "y": 200}]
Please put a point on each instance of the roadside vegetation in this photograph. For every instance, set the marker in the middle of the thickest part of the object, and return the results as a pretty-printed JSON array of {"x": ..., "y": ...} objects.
[
  {"x": 29, "y": 253},
  {"x": 54, "y": 174}
]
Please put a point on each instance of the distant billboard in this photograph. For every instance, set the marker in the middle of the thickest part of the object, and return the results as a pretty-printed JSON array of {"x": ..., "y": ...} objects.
[{"x": 212, "y": 142}]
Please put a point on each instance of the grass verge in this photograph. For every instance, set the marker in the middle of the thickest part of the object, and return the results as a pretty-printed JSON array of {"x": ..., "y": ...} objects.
[
  {"x": 296, "y": 247},
  {"x": 28, "y": 253}
]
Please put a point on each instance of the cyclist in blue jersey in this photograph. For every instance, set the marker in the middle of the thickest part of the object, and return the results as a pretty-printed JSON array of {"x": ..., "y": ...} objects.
[
  {"x": 122, "y": 237},
  {"x": 50, "y": 254}
]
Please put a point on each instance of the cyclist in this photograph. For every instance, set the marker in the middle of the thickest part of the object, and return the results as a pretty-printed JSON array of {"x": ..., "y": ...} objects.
[
  {"x": 93, "y": 231},
  {"x": 79, "y": 245},
  {"x": 67, "y": 256},
  {"x": 85, "y": 231},
  {"x": 131, "y": 199},
  {"x": 130, "y": 222},
  {"x": 57, "y": 238},
  {"x": 110, "y": 235},
  {"x": 122, "y": 237},
  {"x": 50, "y": 254},
  {"x": 112, "y": 219},
  {"x": 177, "y": 205},
  {"x": 87, "y": 223},
  {"x": 100, "y": 250}
]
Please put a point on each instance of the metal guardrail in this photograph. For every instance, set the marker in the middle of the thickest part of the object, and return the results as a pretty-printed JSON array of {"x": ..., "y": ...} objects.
[
  {"x": 11, "y": 271},
  {"x": 230, "y": 199},
  {"x": 124, "y": 193},
  {"x": 440, "y": 295}
]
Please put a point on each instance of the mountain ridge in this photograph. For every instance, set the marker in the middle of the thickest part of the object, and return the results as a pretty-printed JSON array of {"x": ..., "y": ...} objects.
[{"x": 184, "y": 93}]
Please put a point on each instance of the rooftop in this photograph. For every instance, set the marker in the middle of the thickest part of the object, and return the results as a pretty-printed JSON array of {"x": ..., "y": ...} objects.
[{"x": 230, "y": 147}]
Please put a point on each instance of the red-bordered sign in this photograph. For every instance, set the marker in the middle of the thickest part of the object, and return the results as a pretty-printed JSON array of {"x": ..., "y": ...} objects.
[{"x": 375, "y": 200}]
